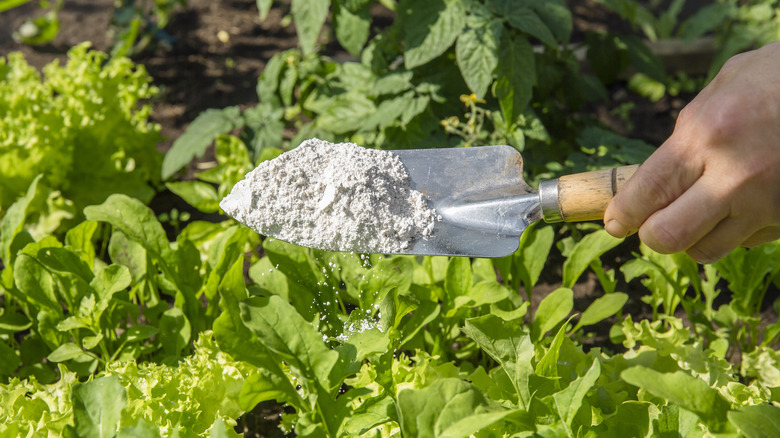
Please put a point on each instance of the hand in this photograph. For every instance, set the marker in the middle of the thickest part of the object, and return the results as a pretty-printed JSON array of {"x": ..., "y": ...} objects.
[{"x": 715, "y": 183}]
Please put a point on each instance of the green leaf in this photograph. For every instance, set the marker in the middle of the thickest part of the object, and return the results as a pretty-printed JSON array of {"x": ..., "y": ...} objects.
[
  {"x": 198, "y": 194},
  {"x": 65, "y": 352},
  {"x": 528, "y": 262},
  {"x": 268, "y": 385},
  {"x": 430, "y": 28},
  {"x": 132, "y": 218},
  {"x": 282, "y": 330},
  {"x": 569, "y": 400},
  {"x": 140, "y": 332},
  {"x": 516, "y": 73},
  {"x": 13, "y": 221},
  {"x": 683, "y": 389},
  {"x": 345, "y": 113},
  {"x": 10, "y": 4},
  {"x": 198, "y": 136},
  {"x": 97, "y": 407},
  {"x": 757, "y": 421},
  {"x": 602, "y": 308},
  {"x": 476, "y": 53},
  {"x": 9, "y": 360},
  {"x": 521, "y": 15},
  {"x": 585, "y": 251},
  {"x": 459, "y": 278},
  {"x": 141, "y": 429},
  {"x": 448, "y": 408},
  {"x": 557, "y": 16},
  {"x": 175, "y": 331},
  {"x": 548, "y": 365},
  {"x": 352, "y": 27},
  {"x": 309, "y": 17},
  {"x": 551, "y": 311},
  {"x": 263, "y": 6},
  {"x": 507, "y": 344},
  {"x": 110, "y": 280}
]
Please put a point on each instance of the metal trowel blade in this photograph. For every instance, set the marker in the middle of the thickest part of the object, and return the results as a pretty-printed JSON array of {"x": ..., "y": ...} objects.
[{"x": 481, "y": 197}]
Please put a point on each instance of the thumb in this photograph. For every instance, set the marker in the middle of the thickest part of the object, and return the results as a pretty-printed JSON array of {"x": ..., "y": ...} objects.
[{"x": 661, "y": 179}]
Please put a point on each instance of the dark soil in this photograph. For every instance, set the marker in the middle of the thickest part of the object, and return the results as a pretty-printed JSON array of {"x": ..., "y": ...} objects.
[{"x": 202, "y": 69}]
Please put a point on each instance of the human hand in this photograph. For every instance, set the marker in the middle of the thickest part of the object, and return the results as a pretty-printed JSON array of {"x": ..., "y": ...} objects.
[{"x": 715, "y": 183}]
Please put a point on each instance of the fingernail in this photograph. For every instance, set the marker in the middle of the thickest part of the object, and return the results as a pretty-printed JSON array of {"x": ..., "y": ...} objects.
[{"x": 617, "y": 229}]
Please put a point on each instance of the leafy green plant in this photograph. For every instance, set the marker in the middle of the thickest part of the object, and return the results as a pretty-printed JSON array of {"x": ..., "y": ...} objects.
[
  {"x": 64, "y": 304},
  {"x": 198, "y": 398},
  {"x": 135, "y": 25},
  {"x": 84, "y": 126},
  {"x": 399, "y": 93}
]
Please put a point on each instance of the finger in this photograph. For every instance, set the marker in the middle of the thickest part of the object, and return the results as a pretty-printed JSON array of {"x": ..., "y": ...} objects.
[
  {"x": 693, "y": 215},
  {"x": 764, "y": 235},
  {"x": 718, "y": 243},
  {"x": 658, "y": 181}
]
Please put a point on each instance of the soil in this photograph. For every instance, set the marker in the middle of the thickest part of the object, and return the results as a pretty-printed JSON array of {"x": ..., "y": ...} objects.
[{"x": 203, "y": 69}]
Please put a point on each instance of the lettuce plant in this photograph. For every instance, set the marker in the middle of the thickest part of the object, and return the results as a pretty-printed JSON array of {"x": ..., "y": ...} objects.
[{"x": 83, "y": 125}]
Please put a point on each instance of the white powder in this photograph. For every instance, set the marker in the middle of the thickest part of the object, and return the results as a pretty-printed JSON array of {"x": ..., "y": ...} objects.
[{"x": 338, "y": 197}]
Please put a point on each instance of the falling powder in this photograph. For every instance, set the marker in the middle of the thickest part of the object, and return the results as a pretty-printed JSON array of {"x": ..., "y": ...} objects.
[{"x": 339, "y": 197}]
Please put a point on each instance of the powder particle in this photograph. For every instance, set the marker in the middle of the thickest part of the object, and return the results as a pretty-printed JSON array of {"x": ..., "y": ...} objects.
[{"x": 338, "y": 197}]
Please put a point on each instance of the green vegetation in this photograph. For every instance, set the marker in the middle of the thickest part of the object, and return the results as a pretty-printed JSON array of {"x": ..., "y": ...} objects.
[{"x": 108, "y": 327}]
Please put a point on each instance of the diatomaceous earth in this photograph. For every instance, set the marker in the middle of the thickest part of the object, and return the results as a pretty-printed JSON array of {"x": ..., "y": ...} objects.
[{"x": 339, "y": 197}]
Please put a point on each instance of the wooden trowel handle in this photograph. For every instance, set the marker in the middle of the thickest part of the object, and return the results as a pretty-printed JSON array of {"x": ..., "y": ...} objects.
[{"x": 581, "y": 196}]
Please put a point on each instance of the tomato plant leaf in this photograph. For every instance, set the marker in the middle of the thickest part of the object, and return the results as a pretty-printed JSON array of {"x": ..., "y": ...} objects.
[
  {"x": 521, "y": 15},
  {"x": 198, "y": 136},
  {"x": 352, "y": 27},
  {"x": 309, "y": 17},
  {"x": 557, "y": 16},
  {"x": 430, "y": 28},
  {"x": 516, "y": 73},
  {"x": 476, "y": 52}
]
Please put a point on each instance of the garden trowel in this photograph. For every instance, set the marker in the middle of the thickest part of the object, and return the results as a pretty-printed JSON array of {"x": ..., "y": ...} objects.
[{"x": 485, "y": 204}]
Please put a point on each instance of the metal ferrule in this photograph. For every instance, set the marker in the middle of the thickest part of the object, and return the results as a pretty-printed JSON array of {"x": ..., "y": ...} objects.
[{"x": 548, "y": 201}]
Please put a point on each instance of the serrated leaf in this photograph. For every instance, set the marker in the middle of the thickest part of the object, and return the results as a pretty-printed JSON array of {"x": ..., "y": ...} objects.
[
  {"x": 430, "y": 29},
  {"x": 97, "y": 407},
  {"x": 521, "y": 15},
  {"x": 557, "y": 16},
  {"x": 352, "y": 27},
  {"x": 476, "y": 53},
  {"x": 198, "y": 194},
  {"x": 516, "y": 73},
  {"x": 309, "y": 17},
  {"x": 197, "y": 137}
]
